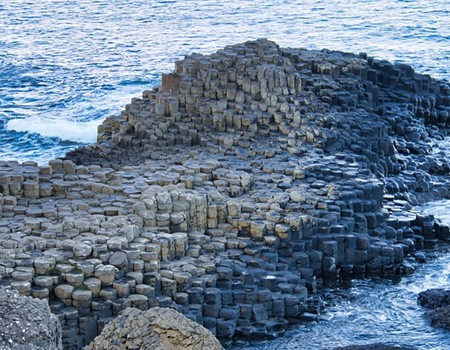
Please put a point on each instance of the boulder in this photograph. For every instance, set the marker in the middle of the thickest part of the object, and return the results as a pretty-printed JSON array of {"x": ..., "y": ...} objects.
[
  {"x": 439, "y": 301},
  {"x": 439, "y": 317},
  {"x": 157, "y": 329},
  {"x": 434, "y": 298},
  {"x": 27, "y": 323}
]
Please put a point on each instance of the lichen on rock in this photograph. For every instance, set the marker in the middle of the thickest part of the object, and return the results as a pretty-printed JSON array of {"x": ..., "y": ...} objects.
[
  {"x": 156, "y": 329},
  {"x": 27, "y": 323}
]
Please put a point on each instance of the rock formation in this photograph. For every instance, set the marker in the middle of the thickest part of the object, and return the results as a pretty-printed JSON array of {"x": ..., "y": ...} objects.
[
  {"x": 439, "y": 317},
  {"x": 158, "y": 329},
  {"x": 27, "y": 323},
  {"x": 434, "y": 298},
  {"x": 438, "y": 302},
  {"x": 232, "y": 191}
]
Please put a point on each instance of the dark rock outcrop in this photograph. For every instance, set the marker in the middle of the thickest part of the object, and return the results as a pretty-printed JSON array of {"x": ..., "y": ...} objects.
[
  {"x": 438, "y": 300},
  {"x": 434, "y": 298},
  {"x": 439, "y": 317}
]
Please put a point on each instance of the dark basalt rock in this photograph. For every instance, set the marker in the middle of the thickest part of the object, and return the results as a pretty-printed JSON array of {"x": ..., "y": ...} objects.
[
  {"x": 440, "y": 317},
  {"x": 231, "y": 193},
  {"x": 434, "y": 298},
  {"x": 439, "y": 300}
]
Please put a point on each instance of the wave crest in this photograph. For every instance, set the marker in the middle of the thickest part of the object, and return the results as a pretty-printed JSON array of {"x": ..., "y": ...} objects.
[{"x": 66, "y": 130}]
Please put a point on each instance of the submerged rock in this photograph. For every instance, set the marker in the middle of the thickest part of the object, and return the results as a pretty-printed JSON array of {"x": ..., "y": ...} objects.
[
  {"x": 27, "y": 323},
  {"x": 440, "y": 317},
  {"x": 157, "y": 329}
]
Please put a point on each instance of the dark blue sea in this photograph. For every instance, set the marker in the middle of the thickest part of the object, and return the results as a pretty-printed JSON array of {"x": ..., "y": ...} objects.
[{"x": 65, "y": 65}]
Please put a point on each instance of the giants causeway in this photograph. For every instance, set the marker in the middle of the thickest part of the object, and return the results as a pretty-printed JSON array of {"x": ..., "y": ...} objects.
[{"x": 232, "y": 192}]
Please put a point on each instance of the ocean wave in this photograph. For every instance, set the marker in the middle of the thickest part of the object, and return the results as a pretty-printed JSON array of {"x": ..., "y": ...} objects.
[
  {"x": 61, "y": 72},
  {"x": 66, "y": 130}
]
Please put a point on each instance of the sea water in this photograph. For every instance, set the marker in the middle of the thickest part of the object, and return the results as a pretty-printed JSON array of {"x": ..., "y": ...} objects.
[
  {"x": 65, "y": 65},
  {"x": 377, "y": 311}
]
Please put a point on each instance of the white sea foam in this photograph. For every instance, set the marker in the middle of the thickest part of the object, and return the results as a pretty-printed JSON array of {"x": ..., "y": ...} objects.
[
  {"x": 440, "y": 209},
  {"x": 86, "y": 72},
  {"x": 66, "y": 130}
]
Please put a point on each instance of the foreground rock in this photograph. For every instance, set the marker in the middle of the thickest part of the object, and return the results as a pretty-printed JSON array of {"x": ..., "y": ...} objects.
[
  {"x": 27, "y": 323},
  {"x": 439, "y": 301},
  {"x": 232, "y": 192},
  {"x": 158, "y": 329}
]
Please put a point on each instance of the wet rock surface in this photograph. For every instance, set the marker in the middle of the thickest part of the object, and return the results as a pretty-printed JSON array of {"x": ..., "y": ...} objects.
[
  {"x": 157, "y": 328},
  {"x": 434, "y": 298},
  {"x": 251, "y": 177},
  {"x": 27, "y": 323},
  {"x": 438, "y": 300},
  {"x": 439, "y": 317}
]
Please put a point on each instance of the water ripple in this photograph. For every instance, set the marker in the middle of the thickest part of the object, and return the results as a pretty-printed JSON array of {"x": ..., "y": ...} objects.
[{"x": 374, "y": 312}]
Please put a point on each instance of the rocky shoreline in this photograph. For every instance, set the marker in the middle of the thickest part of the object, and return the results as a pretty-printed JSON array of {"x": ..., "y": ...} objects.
[
  {"x": 437, "y": 301},
  {"x": 230, "y": 193}
]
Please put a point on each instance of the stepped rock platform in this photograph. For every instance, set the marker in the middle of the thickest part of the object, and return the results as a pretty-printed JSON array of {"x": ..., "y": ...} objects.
[{"x": 248, "y": 179}]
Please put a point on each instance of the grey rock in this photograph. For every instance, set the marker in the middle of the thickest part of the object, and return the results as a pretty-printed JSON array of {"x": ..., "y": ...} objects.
[
  {"x": 118, "y": 259},
  {"x": 434, "y": 298},
  {"x": 27, "y": 323},
  {"x": 438, "y": 300},
  {"x": 157, "y": 328},
  {"x": 439, "y": 317}
]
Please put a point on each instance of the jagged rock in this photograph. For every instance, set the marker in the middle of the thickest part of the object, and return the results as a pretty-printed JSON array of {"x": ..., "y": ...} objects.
[
  {"x": 438, "y": 300},
  {"x": 434, "y": 298},
  {"x": 440, "y": 317},
  {"x": 157, "y": 328},
  {"x": 27, "y": 323}
]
